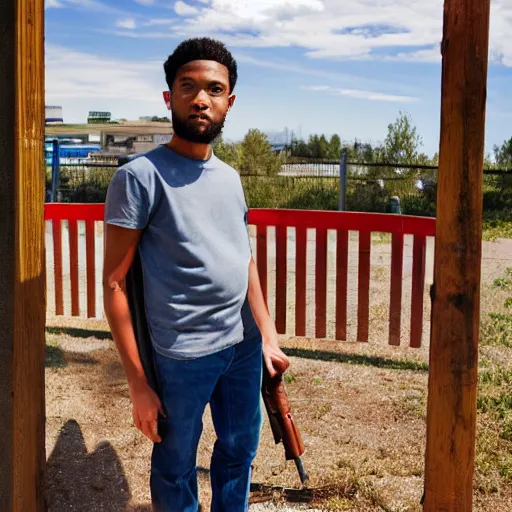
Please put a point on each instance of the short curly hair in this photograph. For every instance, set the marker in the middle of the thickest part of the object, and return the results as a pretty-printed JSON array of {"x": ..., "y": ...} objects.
[{"x": 200, "y": 48}]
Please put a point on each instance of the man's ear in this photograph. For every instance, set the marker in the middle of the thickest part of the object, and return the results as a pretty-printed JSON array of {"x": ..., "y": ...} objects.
[
  {"x": 231, "y": 101},
  {"x": 167, "y": 99}
]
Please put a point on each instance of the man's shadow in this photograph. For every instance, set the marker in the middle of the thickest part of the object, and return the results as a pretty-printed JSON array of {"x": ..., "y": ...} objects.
[{"x": 86, "y": 482}]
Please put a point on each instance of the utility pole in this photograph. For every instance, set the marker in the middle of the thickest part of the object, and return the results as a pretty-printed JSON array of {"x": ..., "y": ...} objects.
[
  {"x": 22, "y": 269},
  {"x": 453, "y": 372}
]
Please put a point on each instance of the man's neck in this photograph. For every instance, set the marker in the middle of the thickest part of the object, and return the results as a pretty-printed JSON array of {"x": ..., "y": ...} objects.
[{"x": 190, "y": 149}]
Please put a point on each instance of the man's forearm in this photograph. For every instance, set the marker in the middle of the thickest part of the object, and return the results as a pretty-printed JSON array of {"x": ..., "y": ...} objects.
[
  {"x": 257, "y": 302},
  {"x": 117, "y": 311}
]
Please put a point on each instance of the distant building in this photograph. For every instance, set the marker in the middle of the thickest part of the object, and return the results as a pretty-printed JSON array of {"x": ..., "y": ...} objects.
[
  {"x": 53, "y": 115},
  {"x": 99, "y": 117}
]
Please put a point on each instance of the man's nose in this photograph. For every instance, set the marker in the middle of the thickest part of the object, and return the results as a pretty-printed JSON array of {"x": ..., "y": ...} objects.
[{"x": 201, "y": 101}]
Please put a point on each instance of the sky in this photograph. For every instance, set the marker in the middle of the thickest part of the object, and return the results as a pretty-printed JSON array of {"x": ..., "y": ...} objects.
[{"x": 306, "y": 66}]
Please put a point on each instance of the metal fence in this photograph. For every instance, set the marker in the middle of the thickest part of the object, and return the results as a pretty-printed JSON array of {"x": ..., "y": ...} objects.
[{"x": 381, "y": 187}]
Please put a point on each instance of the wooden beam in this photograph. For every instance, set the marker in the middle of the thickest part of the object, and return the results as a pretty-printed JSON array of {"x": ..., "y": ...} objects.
[
  {"x": 451, "y": 415},
  {"x": 22, "y": 272}
]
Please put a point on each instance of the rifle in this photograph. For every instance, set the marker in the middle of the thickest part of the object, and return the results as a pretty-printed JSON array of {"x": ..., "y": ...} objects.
[
  {"x": 273, "y": 392},
  {"x": 281, "y": 421}
]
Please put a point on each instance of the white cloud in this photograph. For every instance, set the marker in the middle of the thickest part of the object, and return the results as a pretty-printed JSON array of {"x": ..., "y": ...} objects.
[
  {"x": 145, "y": 2},
  {"x": 362, "y": 94},
  {"x": 72, "y": 74},
  {"x": 128, "y": 23},
  {"x": 52, "y": 4},
  {"x": 184, "y": 9},
  {"x": 86, "y": 5},
  {"x": 352, "y": 29}
]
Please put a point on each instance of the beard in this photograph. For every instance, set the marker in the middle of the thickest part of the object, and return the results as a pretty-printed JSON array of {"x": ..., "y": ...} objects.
[{"x": 186, "y": 130}]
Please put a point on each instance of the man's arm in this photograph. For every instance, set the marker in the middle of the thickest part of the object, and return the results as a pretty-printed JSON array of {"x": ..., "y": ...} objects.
[
  {"x": 275, "y": 359},
  {"x": 120, "y": 246}
]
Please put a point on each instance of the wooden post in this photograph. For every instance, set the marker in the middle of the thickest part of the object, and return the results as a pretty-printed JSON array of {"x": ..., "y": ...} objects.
[
  {"x": 22, "y": 269},
  {"x": 451, "y": 416}
]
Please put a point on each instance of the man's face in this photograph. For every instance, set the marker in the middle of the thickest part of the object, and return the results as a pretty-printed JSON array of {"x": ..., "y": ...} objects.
[{"x": 200, "y": 100}]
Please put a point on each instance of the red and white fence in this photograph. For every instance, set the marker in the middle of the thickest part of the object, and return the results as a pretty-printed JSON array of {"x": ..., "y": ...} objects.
[{"x": 303, "y": 222}]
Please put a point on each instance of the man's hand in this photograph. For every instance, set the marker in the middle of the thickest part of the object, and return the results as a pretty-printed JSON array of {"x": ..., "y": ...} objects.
[
  {"x": 146, "y": 406},
  {"x": 275, "y": 359}
]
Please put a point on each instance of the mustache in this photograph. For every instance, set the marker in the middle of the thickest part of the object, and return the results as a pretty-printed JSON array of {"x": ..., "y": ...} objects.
[{"x": 200, "y": 116}]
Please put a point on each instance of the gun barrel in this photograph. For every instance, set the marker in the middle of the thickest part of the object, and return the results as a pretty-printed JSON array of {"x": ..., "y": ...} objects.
[{"x": 304, "y": 477}]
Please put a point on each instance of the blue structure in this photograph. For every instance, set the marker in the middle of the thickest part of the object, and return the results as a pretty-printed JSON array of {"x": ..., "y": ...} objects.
[{"x": 69, "y": 153}]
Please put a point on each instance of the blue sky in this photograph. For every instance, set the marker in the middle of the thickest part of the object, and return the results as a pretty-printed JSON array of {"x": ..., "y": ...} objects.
[{"x": 311, "y": 66}]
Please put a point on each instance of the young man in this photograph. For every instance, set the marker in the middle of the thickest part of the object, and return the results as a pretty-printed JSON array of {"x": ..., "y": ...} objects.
[{"x": 184, "y": 211}]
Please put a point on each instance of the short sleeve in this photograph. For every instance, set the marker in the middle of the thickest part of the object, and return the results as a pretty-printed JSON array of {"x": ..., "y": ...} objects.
[{"x": 127, "y": 201}]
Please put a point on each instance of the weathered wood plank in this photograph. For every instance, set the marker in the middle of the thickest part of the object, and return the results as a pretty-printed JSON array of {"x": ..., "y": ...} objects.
[
  {"x": 395, "y": 302},
  {"x": 22, "y": 269},
  {"x": 363, "y": 287},
  {"x": 321, "y": 283},
  {"x": 453, "y": 373},
  {"x": 341, "y": 284},
  {"x": 300, "y": 281},
  {"x": 281, "y": 278}
]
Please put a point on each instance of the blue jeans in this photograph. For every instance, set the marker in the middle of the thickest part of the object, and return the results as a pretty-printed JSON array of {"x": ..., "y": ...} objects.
[{"x": 230, "y": 381}]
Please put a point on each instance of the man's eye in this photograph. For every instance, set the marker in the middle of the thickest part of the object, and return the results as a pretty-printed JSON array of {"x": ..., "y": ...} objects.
[
  {"x": 217, "y": 90},
  {"x": 187, "y": 87}
]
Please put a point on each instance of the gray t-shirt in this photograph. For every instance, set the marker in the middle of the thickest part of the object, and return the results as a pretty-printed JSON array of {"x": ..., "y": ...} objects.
[{"x": 194, "y": 249}]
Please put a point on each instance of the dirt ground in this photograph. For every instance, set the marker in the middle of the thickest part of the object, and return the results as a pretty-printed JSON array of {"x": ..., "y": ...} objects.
[{"x": 360, "y": 407}]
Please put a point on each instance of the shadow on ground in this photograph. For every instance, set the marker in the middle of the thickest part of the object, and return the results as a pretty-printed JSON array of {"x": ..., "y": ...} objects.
[
  {"x": 85, "y": 482},
  {"x": 359, "y": 359},
  {"x": 76, "y": 332}
]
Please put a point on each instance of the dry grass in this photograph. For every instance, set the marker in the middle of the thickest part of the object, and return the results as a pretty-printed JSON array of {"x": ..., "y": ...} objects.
[{"x": 360, "y": 407}]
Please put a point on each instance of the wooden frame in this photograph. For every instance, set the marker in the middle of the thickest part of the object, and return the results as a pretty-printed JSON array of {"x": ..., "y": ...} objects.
[
  {"x": 22, "y": 275},
  {"x": 455, "y": 318}
]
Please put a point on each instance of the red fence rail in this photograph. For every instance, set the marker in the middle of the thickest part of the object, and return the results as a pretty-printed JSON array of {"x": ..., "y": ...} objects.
[{"x": 302, "y": 220}]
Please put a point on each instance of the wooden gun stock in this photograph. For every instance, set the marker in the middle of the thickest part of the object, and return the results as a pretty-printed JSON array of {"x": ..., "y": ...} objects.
[{"x": 281, "y": 420}]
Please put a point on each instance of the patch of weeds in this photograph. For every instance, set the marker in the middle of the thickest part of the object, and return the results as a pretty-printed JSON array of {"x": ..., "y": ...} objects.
[
  {"x": 54, "y": 355},
  {"x": 496, "y": 376},
  {"x": 317, "y": 380},
  {"x": 381, "y": 238},
  {"x": 506, "y": 431},
  {"x": 497, "y": 330},
  {"x": 508, "y": 303},
  {"x": 413, "y": 404},
  {"x": 289, "y": 378},
  {"x": 500, "y": 406},
  {"x": 494, "y": 441},
  {"x": 322, "y": 411},
  {"x": 501, "y": 282},
  {"x": 497, "y": 225}
]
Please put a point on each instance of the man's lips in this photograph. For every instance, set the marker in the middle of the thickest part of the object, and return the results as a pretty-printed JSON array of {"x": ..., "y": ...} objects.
[{"x": 199, "y": 118}]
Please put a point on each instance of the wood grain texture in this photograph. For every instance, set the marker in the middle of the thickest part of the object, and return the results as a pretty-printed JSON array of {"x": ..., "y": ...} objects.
[
  {"x": 341, "y": 284},
  {"x": 90, "y": 252},
  {"x": 281, "y": 278},
  {"x": 300, "y": 281},
  {"x": 453, "y": 373},
  {"x": 22, "y": 268},
  {"x": 363, "y": 286},
  {"x": 395, "y": 301},
  {"x": 321, "y": 284}
]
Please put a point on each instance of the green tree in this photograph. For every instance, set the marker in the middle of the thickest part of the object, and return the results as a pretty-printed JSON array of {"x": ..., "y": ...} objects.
[
  {"x": 314, "y": 146},
  {"x": 323, "y": 147},
  {"x": 335, "y": 147},
  {"x": 257, "y": 156},
  {"x": 503, "y": 154},
  {"x": 402, "y": 141},
  {"x": 228, "y": 152}
]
